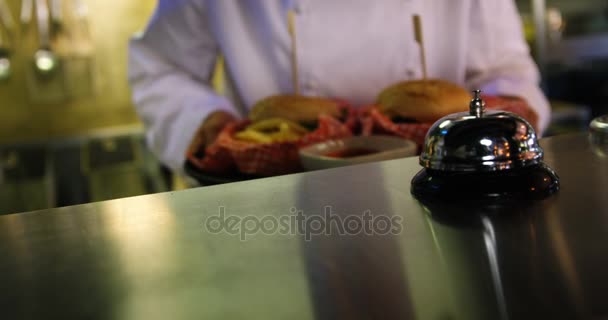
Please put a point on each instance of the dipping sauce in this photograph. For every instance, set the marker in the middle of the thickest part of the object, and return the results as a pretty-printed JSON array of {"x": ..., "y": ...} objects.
[{"x": 350, "y": 153}]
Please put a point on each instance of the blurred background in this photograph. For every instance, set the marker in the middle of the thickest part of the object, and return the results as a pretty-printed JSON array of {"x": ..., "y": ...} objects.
[{"x": 69, "y": 133}]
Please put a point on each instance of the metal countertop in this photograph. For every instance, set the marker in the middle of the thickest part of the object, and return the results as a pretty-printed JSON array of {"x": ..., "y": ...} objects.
[{"x": 160, "y": 257}]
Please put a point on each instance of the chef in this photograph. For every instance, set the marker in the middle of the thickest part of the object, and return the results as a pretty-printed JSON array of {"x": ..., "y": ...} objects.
[{"x": 350, "y": 49}]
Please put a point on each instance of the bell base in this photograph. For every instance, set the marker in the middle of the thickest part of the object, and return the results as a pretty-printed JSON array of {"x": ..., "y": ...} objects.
[{"x": 533, "y": 182}]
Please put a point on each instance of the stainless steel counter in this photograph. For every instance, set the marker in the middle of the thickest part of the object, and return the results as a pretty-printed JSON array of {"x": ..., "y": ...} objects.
[{"x": 159, "y": 257}]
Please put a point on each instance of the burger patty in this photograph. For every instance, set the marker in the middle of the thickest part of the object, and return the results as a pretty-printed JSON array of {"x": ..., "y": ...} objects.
[{"x": 313, "y": 125}]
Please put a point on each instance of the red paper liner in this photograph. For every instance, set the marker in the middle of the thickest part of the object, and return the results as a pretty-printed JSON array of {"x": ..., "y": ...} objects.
[
  {"x": 374, "y": 122},
  {"x": 268, "y": 159},
  {"x": 515, "y": 105}
]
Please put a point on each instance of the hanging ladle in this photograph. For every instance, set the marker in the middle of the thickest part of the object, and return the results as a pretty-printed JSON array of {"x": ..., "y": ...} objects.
[
  {"x": 5, "y": 60},
  {"x": 45, "y": 61},
  {"x": 6, "y": 28}
]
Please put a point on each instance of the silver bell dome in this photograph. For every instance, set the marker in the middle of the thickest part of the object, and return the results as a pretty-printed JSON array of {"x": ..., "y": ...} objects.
[{"x": 480, "y": 140}]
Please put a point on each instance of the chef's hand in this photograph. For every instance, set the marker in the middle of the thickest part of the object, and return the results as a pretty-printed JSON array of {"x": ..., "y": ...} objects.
[{"x": 209, "y": 129}]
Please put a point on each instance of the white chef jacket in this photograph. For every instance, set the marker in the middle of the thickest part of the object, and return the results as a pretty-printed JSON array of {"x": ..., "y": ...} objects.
[{"x": 350, "y": 49}]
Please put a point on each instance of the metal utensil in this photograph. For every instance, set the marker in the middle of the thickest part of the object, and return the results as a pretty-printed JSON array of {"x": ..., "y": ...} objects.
[
  {"x": 6, "y": 25},
  {"x": 5, "y": 61},
  {"x": 56, "y": 11},
  {"x": 56, "y": 15},
  {"x": 26, "y": 12},
  {"x": 45, "y": 61}
]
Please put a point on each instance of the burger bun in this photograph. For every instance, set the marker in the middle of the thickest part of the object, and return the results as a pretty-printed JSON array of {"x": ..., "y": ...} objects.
[
  {"x": 300, "y": 109},
  {"x": 423, "y": 100}
]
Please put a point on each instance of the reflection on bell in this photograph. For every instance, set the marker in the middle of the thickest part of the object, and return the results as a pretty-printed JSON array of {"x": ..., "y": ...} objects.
[{"x": 483, "y": 155}]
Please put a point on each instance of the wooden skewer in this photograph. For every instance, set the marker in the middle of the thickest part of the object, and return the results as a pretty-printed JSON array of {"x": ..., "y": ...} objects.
[
  {"x": 291, "y": 25},
  {"x": 420, "y": 40}
]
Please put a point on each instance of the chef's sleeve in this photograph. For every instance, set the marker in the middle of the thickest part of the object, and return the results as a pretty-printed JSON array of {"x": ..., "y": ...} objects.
[
  {"x": 498, "y": 58},
  {"x": 170, "y": 67}
]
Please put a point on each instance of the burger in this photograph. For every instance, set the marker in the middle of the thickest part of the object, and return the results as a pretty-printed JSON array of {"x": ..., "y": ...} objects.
[
  {"x": 303, "y": 110},
  {"x": 283, "y": 118},
  {"x": 423, "y": 101}
]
